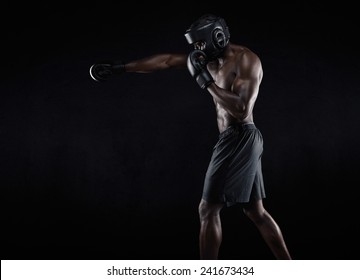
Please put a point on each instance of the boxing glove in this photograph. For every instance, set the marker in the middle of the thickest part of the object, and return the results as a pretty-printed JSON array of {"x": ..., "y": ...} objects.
[
  {"x": 101, "y": 72},
  {"x": 196, "y": 64}
]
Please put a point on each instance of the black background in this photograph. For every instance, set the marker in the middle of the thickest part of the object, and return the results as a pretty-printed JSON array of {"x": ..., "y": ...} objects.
[{"x": 115, "y": 170}]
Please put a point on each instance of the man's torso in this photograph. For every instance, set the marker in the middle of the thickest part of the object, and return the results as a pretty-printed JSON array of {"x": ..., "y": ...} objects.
[{"x": 224, "y": 71}]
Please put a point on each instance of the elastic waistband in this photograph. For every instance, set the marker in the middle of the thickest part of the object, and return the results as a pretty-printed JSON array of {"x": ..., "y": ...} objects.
[{"x": 237, "y": 127}]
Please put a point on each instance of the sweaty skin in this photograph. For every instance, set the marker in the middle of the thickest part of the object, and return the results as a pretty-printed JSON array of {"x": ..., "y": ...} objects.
[{"x": 237, "y": 76}]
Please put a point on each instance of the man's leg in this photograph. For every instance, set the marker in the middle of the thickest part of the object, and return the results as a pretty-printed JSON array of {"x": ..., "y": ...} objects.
[
  {"x": 268, "y": 228},
  {"x": 210, "y": 230}
]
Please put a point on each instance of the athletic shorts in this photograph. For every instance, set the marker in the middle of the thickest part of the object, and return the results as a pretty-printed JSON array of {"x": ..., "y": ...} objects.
[{"x": 234, "y": 174}]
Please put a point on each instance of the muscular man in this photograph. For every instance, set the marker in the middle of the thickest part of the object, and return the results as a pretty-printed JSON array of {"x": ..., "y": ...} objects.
[{"x": 232, "y": 75}]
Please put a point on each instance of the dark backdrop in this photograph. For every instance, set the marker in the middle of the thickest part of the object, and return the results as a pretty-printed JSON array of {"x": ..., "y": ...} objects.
[{"x": 115, "y": 170}]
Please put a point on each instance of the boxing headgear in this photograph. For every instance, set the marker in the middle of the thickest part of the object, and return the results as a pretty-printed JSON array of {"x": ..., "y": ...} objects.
[{"x": 213, "y": 31}]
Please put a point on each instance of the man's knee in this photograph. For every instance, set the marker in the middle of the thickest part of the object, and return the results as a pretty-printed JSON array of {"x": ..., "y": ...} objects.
[
  {"x": 254, "y": 211},
  {"x": 207, "y": 209}
]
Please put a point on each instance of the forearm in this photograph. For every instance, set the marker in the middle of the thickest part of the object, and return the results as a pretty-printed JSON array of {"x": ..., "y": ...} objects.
[{"x": 228, "y": 100}]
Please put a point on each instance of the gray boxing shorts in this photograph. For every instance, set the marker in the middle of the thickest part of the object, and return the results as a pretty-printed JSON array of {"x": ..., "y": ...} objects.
[{"x": 234, "y": 174}]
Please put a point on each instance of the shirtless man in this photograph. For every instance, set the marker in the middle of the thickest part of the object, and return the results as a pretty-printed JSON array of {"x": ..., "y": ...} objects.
[{"x": 232, "y": 75}]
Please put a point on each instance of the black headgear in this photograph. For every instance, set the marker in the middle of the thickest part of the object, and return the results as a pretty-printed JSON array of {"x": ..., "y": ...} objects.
[{"x": 213, "y": 31}]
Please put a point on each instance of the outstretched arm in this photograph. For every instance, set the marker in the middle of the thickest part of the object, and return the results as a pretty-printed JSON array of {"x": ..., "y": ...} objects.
[
  {"x": 102, "y": 71},
  {"x": 156, "y": 62}
]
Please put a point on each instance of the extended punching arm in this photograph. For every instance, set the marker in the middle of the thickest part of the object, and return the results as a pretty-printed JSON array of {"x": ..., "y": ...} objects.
[{"x": 102, "y": 71}]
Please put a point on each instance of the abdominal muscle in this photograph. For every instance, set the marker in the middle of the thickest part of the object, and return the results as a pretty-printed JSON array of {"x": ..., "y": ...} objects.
[{"x": 224, "y": 119}]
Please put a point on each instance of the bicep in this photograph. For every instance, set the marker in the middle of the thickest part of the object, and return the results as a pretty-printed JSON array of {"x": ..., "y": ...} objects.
[
  {"x": 157, "y": 62},
  {"x": 246, "y": 89},
  {"x": 177, "y": 61},
  {"x": 246, "y": 84},
  {"x": 165, "y": 61}
]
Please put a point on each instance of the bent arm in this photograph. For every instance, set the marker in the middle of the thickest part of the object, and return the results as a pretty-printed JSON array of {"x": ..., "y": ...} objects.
[
  {"x": 239, "y": 99},
  {"x": 156, "y": 62}
]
